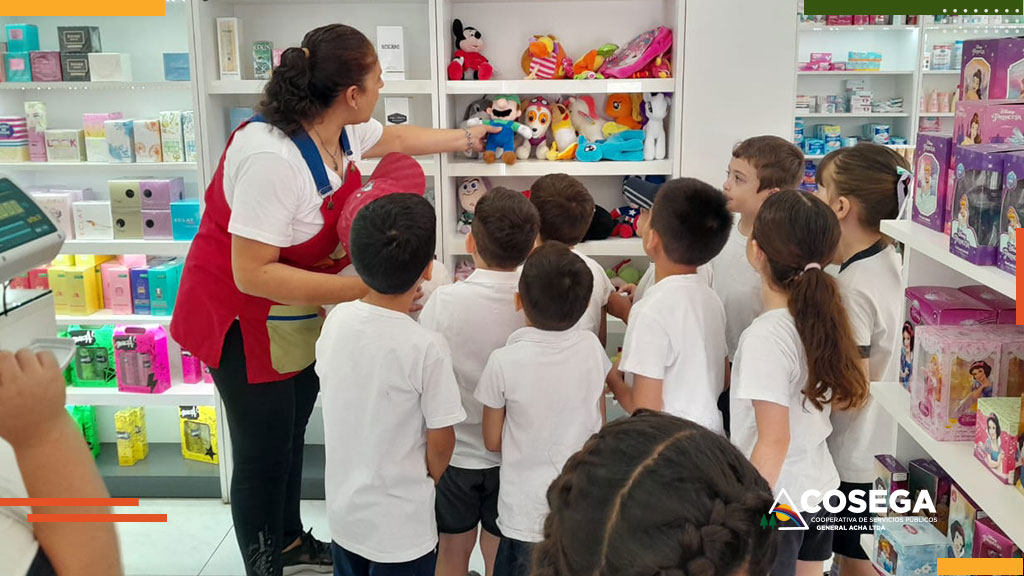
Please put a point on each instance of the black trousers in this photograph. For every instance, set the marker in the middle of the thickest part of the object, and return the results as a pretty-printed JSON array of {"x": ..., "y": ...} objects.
[{"x": 268, "y": 429}]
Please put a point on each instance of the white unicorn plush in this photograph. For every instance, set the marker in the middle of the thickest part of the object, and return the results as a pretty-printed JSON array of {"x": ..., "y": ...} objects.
[{"x": 656, "y": 107}]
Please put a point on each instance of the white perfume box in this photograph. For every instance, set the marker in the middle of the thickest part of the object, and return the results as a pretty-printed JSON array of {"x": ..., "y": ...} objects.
[
  {"x": 147, "y": 141},
  {"x": 391, "y": 52},
  {"x": 396, "y": 111},
  {"x": 110, "y": 67},
  {"x": 96, "y": 149},
  {"x": 93, "y": 221},
  {"x": 227, "y": 49}
]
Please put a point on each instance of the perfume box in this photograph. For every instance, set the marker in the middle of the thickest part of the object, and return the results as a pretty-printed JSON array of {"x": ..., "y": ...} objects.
[
  {"x": 227, "y": 48},
  {"x": 391, "y": 52},
  {"x": 79, "y": 39},
  {"x": 45, "y": 66},
  {"x": 262, "y": 59},
  {"x": 176, "y": 67},
  {"x": 110, "y": 67},
  {"x": 75, "y": 67},
  {"x": 65, "y": 145}
]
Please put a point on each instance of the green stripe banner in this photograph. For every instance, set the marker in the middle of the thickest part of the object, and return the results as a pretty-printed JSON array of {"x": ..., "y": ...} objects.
[{"x": 972, "y": 7}]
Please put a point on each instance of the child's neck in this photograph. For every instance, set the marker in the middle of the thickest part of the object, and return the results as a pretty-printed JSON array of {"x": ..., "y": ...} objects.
[
  {"x": 772, "y": 297},
  {"x": 854, "y": 239},
  {"x": 482, "y": 264},
  {"x": 663, "y": 268},
  {"x": 397, "y": 302},
  {"x": 746, "y": 224}
]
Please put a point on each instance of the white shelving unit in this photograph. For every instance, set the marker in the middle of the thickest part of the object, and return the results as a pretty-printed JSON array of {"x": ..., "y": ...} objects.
[
  {"x": 177, "y": 248},
  {"x": 179, "y": 394},
  {"x": 92, "y": 86},
  {"x": 104, "y": 168},
  {"x": 107, "y": 317}
]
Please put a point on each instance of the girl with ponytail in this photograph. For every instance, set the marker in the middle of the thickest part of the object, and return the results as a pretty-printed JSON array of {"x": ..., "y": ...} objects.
[
  {"x": 864, "y": 185},
  {"x": 794, "y": 364}
]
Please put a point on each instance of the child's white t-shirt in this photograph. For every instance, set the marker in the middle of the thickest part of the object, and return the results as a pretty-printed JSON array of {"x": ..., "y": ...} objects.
[
  {"x": 738, "y": 285},
  {"x": 476, "y": 317},
  {"x": 591, "y": 319},
  {"x": 550, "y": 384},
  {"x": 647, "y": 280},
  {"x": 771, "y": 366},
  {"x": 872, "y": 288},
  {"x": 385, "y": 381},
  {"x": 677, "y": 334},
  {"x": 18, "y": 546}
]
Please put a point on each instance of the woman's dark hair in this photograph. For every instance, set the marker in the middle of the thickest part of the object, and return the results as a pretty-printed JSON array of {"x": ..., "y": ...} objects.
[
  {"x": 868, "y": 175},
  {"x": 331, "y": 59},
  {"x": 975, "y": 121},
  {"x": 957, "y": 529},
  {"x": 655, "y": 494},
  {"x": 993, "y": 419},
  {"x": 908, "y": 328},
  {"x": 795, "y": 230}
]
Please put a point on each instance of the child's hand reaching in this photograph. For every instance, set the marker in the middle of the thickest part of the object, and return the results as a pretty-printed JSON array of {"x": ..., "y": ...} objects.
[{"x": 31, "y": 395}]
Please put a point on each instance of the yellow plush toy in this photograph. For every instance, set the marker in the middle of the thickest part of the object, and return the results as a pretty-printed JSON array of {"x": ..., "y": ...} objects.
[{"x": 564, "y": 146}]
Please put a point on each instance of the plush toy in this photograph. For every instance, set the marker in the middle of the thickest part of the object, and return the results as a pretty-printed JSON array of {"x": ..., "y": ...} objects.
[
  {"x": 545, "y": 59},
  {"x": 624, "y": 109},
  {"x": 627, "y": 146},
  {"x": 476, "y": 109},
  {"x": 625, "y": 221},
  {"x": 624, "y": 273},
  {"x": 468, "y": 62},
  {"x": 583, "y": 115},
  {"x": 536, "y": 117},
  {"x": 601, "y": 225},
  {"x": 471, "y": 190},
  {"x": 463, "y": 270},
  {"x": 503, "y": 111},
  {"x": 586, "y": 68},
  {"x": 660, "y": 67},
  {"x": 656, "y": 107},
  {"x": 564, "y": 146}
]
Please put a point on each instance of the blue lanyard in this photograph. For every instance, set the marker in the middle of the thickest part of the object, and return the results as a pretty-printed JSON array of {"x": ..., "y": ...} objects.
[{"x": 312, "y": 157}]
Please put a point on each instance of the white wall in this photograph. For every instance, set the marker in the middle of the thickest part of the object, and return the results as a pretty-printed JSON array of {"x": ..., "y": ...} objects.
[{"x": 739, "y": 78}]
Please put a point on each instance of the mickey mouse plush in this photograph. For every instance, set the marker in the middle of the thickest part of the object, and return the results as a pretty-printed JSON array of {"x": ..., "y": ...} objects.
[{"x": 468, "y": 63}]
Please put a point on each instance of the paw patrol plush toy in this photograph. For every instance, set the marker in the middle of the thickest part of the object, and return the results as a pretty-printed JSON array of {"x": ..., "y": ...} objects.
[
  {"x": 468, "y": 62},
  {"x": 537, "y": 118},
  {"x": 504, "y": 111}
]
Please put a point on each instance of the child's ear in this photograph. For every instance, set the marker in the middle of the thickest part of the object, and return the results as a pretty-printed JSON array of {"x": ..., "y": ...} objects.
[
  {"x": 519, "y": 301},
  {"x": 755, "y": 255},
  {"x": 651, "y": 242},
  {"x": 842, "y": 207},
  {"x": 470, "y": 243},
  {"x": 428, "y": 271}
]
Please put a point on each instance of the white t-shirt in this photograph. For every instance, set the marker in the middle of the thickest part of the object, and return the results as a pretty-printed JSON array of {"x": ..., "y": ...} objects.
[
  {"x": 739, "y": 287},
  {"x": 270, "y": 189},
  {"x": 677, "y": 334},
  {"x": 476, "y": 317},
  {"x": 603, "y": 289},
  {"x": 550, "y": 384},
  {"x": 771, "y": 366},
  {"x": 705, "y": 271},
  {"x": 872, "y": 290},
  {"x": 439, "y": 276},
  {"x": 18, "y": 544},
  {"x": 385, "y": 380}
]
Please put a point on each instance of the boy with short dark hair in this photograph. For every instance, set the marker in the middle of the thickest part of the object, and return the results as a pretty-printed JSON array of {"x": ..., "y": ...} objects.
[
  {"x": 675, "y": 341},
  {"x": 543, "y": 396},
  {"x": 389, "y": 398},
  {"x": 476, "y": 317}
]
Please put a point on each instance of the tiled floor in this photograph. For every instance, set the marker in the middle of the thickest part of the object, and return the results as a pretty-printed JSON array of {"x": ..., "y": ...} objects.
[{"x": 198, "y": 539}]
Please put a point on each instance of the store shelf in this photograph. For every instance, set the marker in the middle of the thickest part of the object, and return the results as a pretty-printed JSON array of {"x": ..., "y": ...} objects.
[
  {"x": 935, "y": 245},
  {"x": 853, "y": 115},
  {"x": 94, "y": 86},
  {"x": 560, "y": 86},
  {"x": 147, "y": 247},
  {"x": 108, "y": 317},
  {"x": 1002, "y": 502},
  {"x": 165, "y": 473},
  {"x": 855, "y": 73},
  {"x": 869, "y": 28},
  {"x": 618, "y": 247},
  {"x": 467, "y": 167},
  {"x": 134, "y": 168},
  {"x": 428, "y": 163},
  {"x": 256, "y": 87},
  {"x": 937, "y": 114},
  {"x": 972, "y": 27},
  {"x": 179, "y": 394},
  {"x": 893, "y": 146},
  {"x": 940, "y": 72}
]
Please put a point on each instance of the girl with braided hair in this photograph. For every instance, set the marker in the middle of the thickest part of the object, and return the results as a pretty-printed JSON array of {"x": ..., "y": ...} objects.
[
  {"x": 795, "y": 362},
  {"x": 656, "y": 495}
]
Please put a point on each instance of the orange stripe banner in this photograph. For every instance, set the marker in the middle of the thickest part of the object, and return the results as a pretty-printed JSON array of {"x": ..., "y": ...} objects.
[
  {"x": 97, "y": 518},
  {"x": 980, "y": 567},
  {"x": 80, "y": 8},
  {"x": 69, "y": 501}
]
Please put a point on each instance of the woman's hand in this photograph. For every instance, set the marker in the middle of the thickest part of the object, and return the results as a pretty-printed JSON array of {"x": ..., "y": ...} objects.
[
  {"x": 417, "y": 140},
  {"x": 479, "y": 134}
]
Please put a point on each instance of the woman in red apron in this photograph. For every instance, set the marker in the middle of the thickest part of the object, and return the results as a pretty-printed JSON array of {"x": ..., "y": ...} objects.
[{"x": 263, "y": 264}]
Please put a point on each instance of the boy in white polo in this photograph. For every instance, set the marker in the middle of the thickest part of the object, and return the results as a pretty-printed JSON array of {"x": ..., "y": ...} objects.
[
  {"x": 389, "y": 400},
  {"x": 675, "y": 341},
  {"x": 543, "y": 396},
  {"x": 476, "y": 317}
]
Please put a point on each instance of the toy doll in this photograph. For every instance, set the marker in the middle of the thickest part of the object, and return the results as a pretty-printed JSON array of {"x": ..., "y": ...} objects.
[
  {"x": 981, "y": 387},
  {"x": 907, "y": 354},
  {"x": 1008, "y": 241},
  {"x": 586, "y": 68},
  {"x": 503, "y": 112},
  {"x": 536, "y": 117},
  {"x": 471, "y": 190},
  {"x": 624, "y": 110},
  {"x": 993, "y": 446},
  {"x": 468, "y": 62},
  {"x": 476, "y": 109},
  {"x": 961, "y": 225}
]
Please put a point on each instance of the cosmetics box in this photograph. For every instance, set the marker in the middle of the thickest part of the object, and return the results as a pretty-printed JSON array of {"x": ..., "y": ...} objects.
[
  {"x": 890, "y": 475},
  {"x": 396, "y": 111},
  {"x": 171, "y": 136},
  {"x": 176, "y": 67},
  {"x": 927, "y": 476},
  {"x": 93, "y": 260},
  {"x": 58, "y": 206},
  {"x": 977, "y": 200},
  {"x": 227, "y": 48},
  {"x": 907, "y": 548},
  {"x": 93, "y": 365},
  {"x": 238, "y": 115},
  {"x": 276, "y": 57},
  {"x": 147, "y": 141},
  {"x": 991, "y": 542},
  {"x": 141, "y": 357},
  {"x": 963, "y": 515},
  {"x": 22, "y": 37},
  {"x": 125, "y": 194},
  {"x": 75, "y": 67},
  {"x": 140, "y": 289},
  {"x": 262, "y": 59},
  {"x": 80, "y": 39},
  {"x": 110, "y": 67},
  {"x": 65, "y": 145},
  {"x": 35, "y": 121},
  {"x": 163, "y": 287},
  {"x": 17, "y": 66},
  {"x": 185, "y": 219},
  {"x": 45, "y": 66},
  {"x": 38, "y": 278},
  {"x": 94, "y": 124},
  {"x": 97, "y": 150},
  {"x": 13, "y": 139},
  {"x": 132, "y": 260},
  {"x": 198, "y": 433},
  {"x": 117, "y": 287},
  {"x": 85, "y": 290},
  {"x": 120, "y": 140},
  {"x": 1004, "y": 307},
  {"x": 156, "y": 224},
  {"x": 391, "y": 52},
  {"x": 158, "y": 194},
  {"x": 1011, "y": 212},
  {"x": 995, "y": 439},
  {"x": 992, "y": 69},
  {"x": 127, "y": 224},
  {"x": 58, "y": 278},
  {"x": 188, "y": 133},
  {"x": 191, "y": 368},
  {"x": 124, "y": 427}
]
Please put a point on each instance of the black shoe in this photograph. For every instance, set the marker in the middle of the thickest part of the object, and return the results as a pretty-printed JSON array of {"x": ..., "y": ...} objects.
[{"x": 311, "y": 554}]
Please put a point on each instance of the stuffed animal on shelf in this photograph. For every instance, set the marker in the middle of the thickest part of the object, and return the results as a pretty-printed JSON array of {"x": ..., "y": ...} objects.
[
  {"x": 583, "y": 115},
  {"x": 476, "y": 109},
  {"x": 625, "y": 221},
  {"x": 601, "y": 225},
  {"x": 564, "y": 146},
  {"x": 627, "y": 146},
  {"x": 656, "y": 107},
  {"x": 586, "y": 68},
  {"x": 503, "y": 112},
  {"x": 545, "y": 59},
  {"x": 536, "y": 117},
  {"x": 463, "y": 270},
  {"x": 470, "y": 191},
  {"x": 468, "y": 61},
  {"x": 660, "y": 67},
  {"x": 624, "y": 110},
  {"x": 624, "y": 273}
]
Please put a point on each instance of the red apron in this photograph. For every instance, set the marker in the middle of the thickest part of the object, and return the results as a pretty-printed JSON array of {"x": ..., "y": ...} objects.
[{"x": 279, "y": 340}]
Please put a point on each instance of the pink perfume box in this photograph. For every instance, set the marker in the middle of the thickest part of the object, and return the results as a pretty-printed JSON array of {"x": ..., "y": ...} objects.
[
  {"x": 117, "y": 287},
  {"x": 158, "y": 194},
  {"x": 93, "y": 123},
  {"x": 45, "y": 66},
  {"x": 132, "y": 260},
  {"x": 141, "y": 356},
  {"x": 995, "y": 437},
  {"x": 1004, "y": 307},
  {"x": 990, "y": 542},
  {"x": 156, "y": 225},
  {"x": 191, "y": 368}
]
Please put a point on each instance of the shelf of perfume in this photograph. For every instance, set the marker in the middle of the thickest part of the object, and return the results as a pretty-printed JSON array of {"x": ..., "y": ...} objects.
[
  {"x": 132, "y": 167},
  {"x": 608, "y": 86},
  {"x": 460, "y": 167},
  {"x": 855, "y": 72},
  {"x": 1003, "y": 503},
  {"x": 973, "y": 27},
  {"x": 179, "y": 394},
  {"x": 941, "y": 72},
  {"x": 841, "y": 115},
  {"x": 936, "y": 114},
  {"x": 401, "y": 87},
  {"x": 897, "y": 147},
  {"x": 103, "y": 317},
  {"x": 164, "y": 473},
  {"x": 94, "y": 86},
  {"x": 935, "y": 245},
  {"x": 147, "y": 247},
  {"x": 616, "y": 247},
  {"x": 812, "y": 27}
]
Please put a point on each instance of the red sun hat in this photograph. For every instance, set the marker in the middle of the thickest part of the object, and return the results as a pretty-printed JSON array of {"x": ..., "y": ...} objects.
[{"x": 395, "y": 174}]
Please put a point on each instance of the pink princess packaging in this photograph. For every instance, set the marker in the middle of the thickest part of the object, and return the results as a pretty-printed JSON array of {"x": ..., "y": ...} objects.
[
  {"x": 1011, "y": 211},
  {"x": 996, "y": 436},
  {"x": 977, "y": 198},
  {"x": 932, "y": 158}
]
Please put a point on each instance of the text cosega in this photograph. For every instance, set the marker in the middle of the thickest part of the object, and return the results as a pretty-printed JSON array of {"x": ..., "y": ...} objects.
[{"x": 874, "y": 501}]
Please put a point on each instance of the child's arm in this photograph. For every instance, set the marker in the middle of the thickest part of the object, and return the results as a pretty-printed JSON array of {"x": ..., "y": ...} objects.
[
  {"x": 602, "y": 331},
  {"x": 440, "y": 445},
  {"x": 619, "y": 304},
  {"x": 493, "y": 423},
  {"x": 772, "y": 439},
  {"x": 647, "y": 393},
  {"x": 622, "y": 392}
]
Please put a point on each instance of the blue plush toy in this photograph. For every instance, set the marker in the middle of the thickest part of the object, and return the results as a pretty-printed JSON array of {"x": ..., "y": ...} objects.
[{"x": 626, "y": 146}]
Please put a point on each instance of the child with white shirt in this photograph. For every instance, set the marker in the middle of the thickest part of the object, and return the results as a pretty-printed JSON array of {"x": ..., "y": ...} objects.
[
  {"x": 543, "y": 396},
  {"x": 390, "y": 400},
  {"x": 566, "y": 209},
  {"x": 865, "y": 185},
  {"x": 794, "y": 362},
  {"x": 675, "y": 341},
  {"x": 476, "y": 317}
]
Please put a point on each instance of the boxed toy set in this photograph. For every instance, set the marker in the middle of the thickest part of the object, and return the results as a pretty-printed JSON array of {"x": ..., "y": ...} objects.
[
  {"x": 996, "y": 436},
  {"x": 963, "y": 515},
  {"x": 199, "y": 433},
  {"x": 977, "y": 199},
  {"x": 927, "y": 476},
  {"x": 991, "y": 542},
  {"x": 85, "y": 419},
  {"x": 141, "y": 358},
  {"x": 933, "y": 161},
  {"x": 1011, "y": 211},
  {"x": 908, "y": 548},
  {"x": 1004, "y": 307},
  {"x": 992, "y": 69},
  {"x": 890, "y": 475},
  {"x": 93, "y": 365}
]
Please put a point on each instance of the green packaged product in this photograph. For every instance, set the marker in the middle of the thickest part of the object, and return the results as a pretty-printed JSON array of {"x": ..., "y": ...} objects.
[
  {"x": 262, "y": 59},
  {"x": 85, "y": 418},
  {"x": 93, "y": 366}
]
